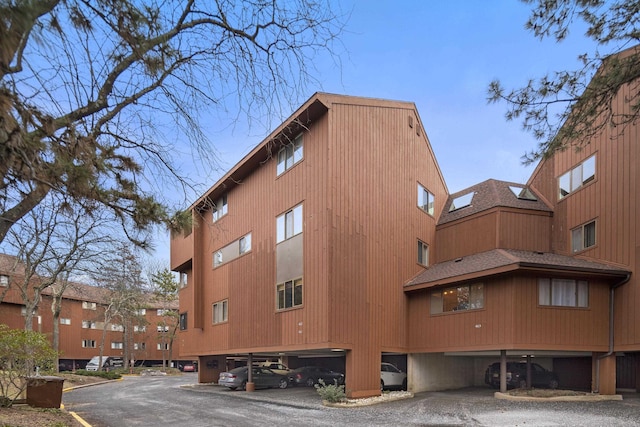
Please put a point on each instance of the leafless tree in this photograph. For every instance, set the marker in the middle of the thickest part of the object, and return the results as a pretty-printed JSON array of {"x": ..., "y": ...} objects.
[{"x": 50, "y": 243}]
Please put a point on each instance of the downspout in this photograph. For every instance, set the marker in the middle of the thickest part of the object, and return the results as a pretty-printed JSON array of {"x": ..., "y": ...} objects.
[{"x": 612, "y": 293}]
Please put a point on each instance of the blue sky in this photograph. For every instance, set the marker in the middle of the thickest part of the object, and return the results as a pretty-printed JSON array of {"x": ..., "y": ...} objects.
[{"x": 441, "y": 56}]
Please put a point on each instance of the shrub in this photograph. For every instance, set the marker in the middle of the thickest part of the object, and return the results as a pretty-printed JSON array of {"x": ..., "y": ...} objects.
[
  {"x": 332, "y": 393},
  {"x": 102, "y": 374},
  {"x": 20, "y": 353}
]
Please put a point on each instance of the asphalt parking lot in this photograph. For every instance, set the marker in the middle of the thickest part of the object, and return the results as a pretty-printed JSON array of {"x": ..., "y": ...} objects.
[{"x": 170, "y": 401}]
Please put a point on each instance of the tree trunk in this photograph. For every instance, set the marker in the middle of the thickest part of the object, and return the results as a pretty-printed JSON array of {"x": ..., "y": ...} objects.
[{"x": 55, "y": 310}]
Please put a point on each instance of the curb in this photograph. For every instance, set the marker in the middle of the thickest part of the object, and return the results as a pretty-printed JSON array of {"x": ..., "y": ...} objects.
[
  {"x": 64, "y": 390},
  {"x": 580, "y": 398},
  {"x": 367, "y": 401}
]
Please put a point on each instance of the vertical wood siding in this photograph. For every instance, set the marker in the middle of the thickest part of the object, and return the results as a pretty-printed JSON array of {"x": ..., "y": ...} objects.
[
  {"x": 612, "y": 199},
  {"x": 511, "y": 319}
]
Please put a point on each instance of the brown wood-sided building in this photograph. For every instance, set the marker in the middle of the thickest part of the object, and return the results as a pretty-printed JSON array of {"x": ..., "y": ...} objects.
[
  {"x": 335, "y": 242},
  {"x": 81, "y": 321}
]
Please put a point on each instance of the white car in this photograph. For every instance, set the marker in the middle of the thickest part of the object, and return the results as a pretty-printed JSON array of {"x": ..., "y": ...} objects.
[{"x": 392, "y": 377}]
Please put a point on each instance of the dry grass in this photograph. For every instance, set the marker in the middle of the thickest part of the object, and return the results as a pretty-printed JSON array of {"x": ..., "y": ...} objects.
[{"x": 542, "y": 392}]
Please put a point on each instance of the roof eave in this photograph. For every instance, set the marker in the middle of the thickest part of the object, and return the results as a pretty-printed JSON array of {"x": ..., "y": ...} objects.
[
  {"x": 315, "y": 107},
  {"x": 519, "y": 266}
]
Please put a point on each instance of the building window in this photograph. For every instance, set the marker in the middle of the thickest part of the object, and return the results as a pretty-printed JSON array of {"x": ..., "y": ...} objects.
[
  {"x": 583, "y": 237},
  {"x": 577, "y": 177},
  {"x": 117, "y": 328},
  {"x": 245, "y": 244},
  {"x": 139, "y": 346},
  {"x": 563, "y": 292},
  {"x": 163, "y": 346},
  {"x": 220, "y": 209},
  {"x": 522, "y": 193},
  {"x": 458, "y": 298},
  {"x": 162, "y": 328},
  {"x": 461, "y": 202},
  {"x": 183, "y": 321},
  {"x": 65, "y": 321},
  {"x": 289, "y": 224},
  {"x": 290, "y": 154},
  {"x": 4, "y": 280},
  {"x": 138, "y": 328},
  {"x": 88, "y": 305},
  {"x": 183, "y": 280},
  {"x": 23, "y": 310},
  {"x": 425, "y": 200},
  {"x": 162, "y": 311},
  {"x": 220, "y": 312},
  {"x": 289, "y": 294},
  {"x": 217, "y": 258},
  {"x": 88, "y": 344},
  {"x": 117, "y": 345},
  {"x": 87, "y": 324},
  {"x": 423, "y": 253}
]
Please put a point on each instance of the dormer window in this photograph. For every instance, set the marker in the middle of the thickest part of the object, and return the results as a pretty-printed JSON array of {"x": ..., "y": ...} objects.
[
  {"x": 522, "y": 193},
  {"x": 461, "y": 202}
]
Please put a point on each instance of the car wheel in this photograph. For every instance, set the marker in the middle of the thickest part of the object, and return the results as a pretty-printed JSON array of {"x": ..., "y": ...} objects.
[
  {"x": 553, "y": 384},
  {"x": 243, "y": 386},
  {"x": 404, "y": 384},
  {"x": 310, "y": 382},
  {"x": 381, "y": 385},
  {"x": 283, "y": 383}
]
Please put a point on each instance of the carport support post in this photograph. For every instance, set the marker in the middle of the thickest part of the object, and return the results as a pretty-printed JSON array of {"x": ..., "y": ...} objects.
[
  {"x": 250, "y": 384},
  {"x": 528, "y": 371},
  {"x": 503, "y": 371}
]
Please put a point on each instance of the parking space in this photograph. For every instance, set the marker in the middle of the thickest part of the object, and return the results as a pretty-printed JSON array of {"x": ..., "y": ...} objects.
[{"x": 184, "y": 402}]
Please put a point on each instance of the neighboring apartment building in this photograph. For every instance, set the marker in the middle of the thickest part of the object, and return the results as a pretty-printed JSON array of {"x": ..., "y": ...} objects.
[
  {"x": 336, "y": 242},
  {"x": 82, "y": 319}
]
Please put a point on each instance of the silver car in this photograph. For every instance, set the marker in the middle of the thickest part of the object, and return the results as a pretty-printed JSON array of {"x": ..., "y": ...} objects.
[{"x": 262, "y": 378}]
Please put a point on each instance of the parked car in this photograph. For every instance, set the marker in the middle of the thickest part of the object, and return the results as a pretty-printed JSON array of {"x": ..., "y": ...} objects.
[
  {"x": 392, "y": 377},
  {"x": 188, "y": 367},
  {"x": 262, "y": 378},
  {"x": 310, "y": 375},
  {"x": 276, "y": 367},
  {"x": 517, "y": 376}
]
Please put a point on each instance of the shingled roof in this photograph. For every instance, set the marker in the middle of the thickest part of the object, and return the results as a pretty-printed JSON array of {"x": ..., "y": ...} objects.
[
  {"x": 499, "y": 261},
  {"x": 490, "y": 194},
  {"x": 10, "y": 264}
]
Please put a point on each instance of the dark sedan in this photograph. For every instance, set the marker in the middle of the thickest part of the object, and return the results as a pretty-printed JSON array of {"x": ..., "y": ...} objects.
[
  {"x": 310, "y": 375},
  {"x": 517, "y": 376},
  {"x": 262, "y": 378}
]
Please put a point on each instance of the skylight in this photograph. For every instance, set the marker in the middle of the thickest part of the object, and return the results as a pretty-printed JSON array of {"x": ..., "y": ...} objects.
[
  {"x": 522, "y": 193},
  {"x": 461, "y": 202}
]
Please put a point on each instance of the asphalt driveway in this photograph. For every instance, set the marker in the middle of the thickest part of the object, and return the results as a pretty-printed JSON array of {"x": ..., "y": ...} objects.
[{"x": 171, "y": 401}]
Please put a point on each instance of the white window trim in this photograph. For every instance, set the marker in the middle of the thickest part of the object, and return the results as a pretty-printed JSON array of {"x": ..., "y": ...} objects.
[
  {"x": 290, "y": 155},
  {"x": 575, "y": 178},
  {"x": 423, "y": 252},
  {"x": 224, "y": 315},
  {"x": 428, "y": 205},
  {"x": 290, "y": 223},
  {"x": 220, "y": 209}
]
